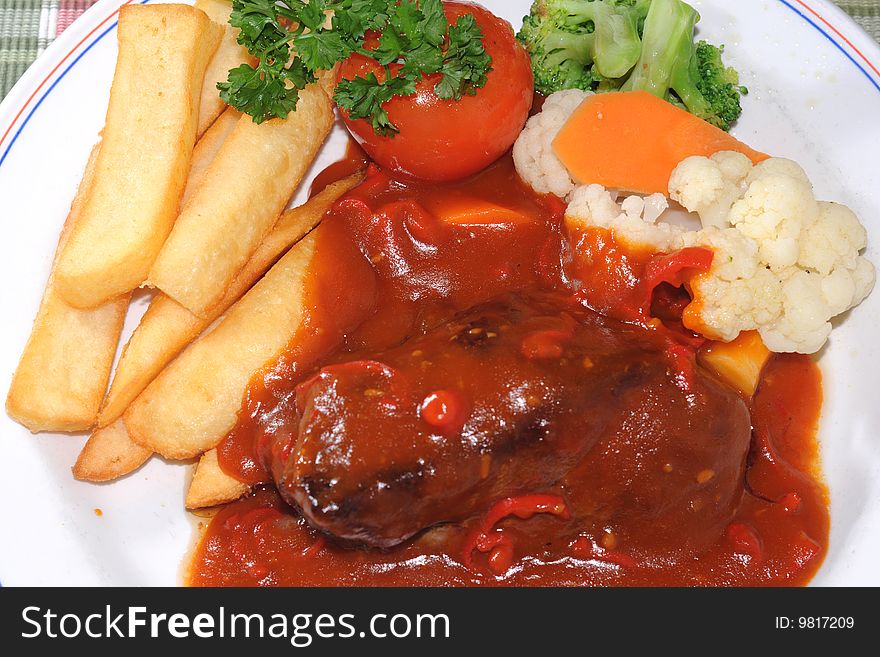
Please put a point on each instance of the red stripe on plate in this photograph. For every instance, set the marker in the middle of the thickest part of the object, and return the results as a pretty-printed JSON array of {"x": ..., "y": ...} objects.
[
  {"x": 840, "y": 34},
  {"x": 57, "y": 66}
]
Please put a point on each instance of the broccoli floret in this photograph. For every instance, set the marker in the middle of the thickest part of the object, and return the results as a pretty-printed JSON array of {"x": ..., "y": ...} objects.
[
  {"x": 578, "y": 44},
  {"x": 606, "y": 45},
  {"x": 673, "y": 67},
  {"x": 719, "y": 85}
]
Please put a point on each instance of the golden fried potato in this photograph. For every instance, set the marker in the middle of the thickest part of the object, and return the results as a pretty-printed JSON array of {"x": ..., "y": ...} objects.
[
  {"x": 740, "y": 362},
  {"x": 195, "y": 401},
  {"x": 229, "y": 55},
  {"x": 211, "y": 486},
  {"x": 109, "y": 454},
  {"x": 62, "y": 375},
  {"x": 327, "y": 80},
  {"x": 206, "y": 150},
  {"x": 145, "y": 154},
  {"x": 167, "y": 327},
  {"x": 244, "y": 190}
]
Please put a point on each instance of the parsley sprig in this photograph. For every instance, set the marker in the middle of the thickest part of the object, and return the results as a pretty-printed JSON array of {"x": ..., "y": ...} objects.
[{"x": 292, "y": 40}]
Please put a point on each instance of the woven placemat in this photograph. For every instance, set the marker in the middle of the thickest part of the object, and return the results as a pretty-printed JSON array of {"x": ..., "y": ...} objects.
[{"x": 28, "y": 26}]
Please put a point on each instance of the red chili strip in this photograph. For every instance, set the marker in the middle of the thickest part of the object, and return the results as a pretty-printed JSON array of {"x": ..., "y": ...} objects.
[
  {"x": 679, "y": 267},
  {"x": 483, "y": 539},
  {"x": 745, "y": 540}
]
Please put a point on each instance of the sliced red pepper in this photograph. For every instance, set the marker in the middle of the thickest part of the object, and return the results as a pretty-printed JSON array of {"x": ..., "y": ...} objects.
[
  {"x": 676, "y": 269},
  {"x": 791, "y": 502},
  {"x": 679, "y": 267},
  {"x": 483, "y": 539},
  {"x": 745, "y": 540}
]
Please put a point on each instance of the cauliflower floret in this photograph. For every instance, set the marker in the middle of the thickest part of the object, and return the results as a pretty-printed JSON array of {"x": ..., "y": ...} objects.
[
  {"x": 633, "y": 222},
  {"x": 735, "y": 254},
  {"x": 864, "y": 276},
  {"x": 727, "y": 307},
  {"x": 773, "y": 211},
  {"x": 533, "y": 154},
  {"x": 778, "y": 166},
  {"x": 709, "y": 186},
  {"x": 785, "y": 264},
  {"x": 834, "y": 239},
  {"x": 804, "y": 324},
  {"x": 737, "y": 294}
]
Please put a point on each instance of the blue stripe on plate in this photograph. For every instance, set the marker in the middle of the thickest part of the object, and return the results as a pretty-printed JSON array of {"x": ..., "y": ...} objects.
[
  {"x": 836, "y": 44},
  {"x": 54, "y": 84}
]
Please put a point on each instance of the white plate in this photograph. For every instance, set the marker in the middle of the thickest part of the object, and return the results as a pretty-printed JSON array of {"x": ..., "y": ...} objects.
[{"x": 815, "y": 97}]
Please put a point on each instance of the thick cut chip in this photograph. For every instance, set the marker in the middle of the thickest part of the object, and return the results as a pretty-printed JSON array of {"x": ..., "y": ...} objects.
[
  {"x": 229, "y": 55},
  {"x": 244, "y": 190},
  {"x": 145, "y": 154},
  {"x": 62, "y": 375},
  {"x": 211, "y": 486},
  {"x": 109, "y": 454},
  {"x": 167, "y": 327},
  {"x": 195, "y": 401},
  {"x": 206, "y": 149}
]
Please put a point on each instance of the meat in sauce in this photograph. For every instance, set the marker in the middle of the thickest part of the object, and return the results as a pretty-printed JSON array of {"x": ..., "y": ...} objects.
[
  {"x": 457, "y": 402},
  {"x": 503, "y": 400}
]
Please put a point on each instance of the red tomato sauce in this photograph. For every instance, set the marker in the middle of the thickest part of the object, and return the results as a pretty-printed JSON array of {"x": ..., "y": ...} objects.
[{"x": 673, "y": 480}]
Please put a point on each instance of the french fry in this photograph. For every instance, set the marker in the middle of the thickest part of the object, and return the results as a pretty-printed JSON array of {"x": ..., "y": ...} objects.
[
  {"x": 167, "y": 327},
  {"x": 145, "y": 154},
  {"x": 63, "y": 372},
  {"x": 109, "y": 454},
  {"x": 229, "y": 54},
  {"x": 206, "y": 150},
  {"x": 244, "y": 190},
  {"x": 327, "y": 80},
  {"x": 211, "y": 486},
  {"x": 195, "y": 401}
]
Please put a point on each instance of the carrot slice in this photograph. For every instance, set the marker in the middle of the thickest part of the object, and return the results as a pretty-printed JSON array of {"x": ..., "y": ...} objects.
[
  {"x": 632, "y": 140},
  {"x": 458, "y": 209}
]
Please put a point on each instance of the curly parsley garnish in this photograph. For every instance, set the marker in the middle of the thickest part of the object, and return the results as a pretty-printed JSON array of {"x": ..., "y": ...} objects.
[{"x": 293, "y": 40}]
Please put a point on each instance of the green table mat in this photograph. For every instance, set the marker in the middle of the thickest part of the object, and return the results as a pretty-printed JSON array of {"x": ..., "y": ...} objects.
[{"x": 28, "y": 26}]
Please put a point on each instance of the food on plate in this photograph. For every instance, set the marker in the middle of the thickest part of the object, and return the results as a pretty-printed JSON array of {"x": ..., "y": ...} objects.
[
  {"x": 211, "y": 486},
  {"x": 435, "y": 425},
  {"x": 229, "y": 54},
  {"x": 785, "y": 264},
  {"x": 108, "y": 454},
  {"x": 459, "y": 438},
  {"x": 636, "y": 140},
  {"x": 631, "y": 45},
  {"x": 63, "y": 371},
  {"x": 295, "y": 41},
  {"x": 194, "y": 401},
  {"x": 429, "y": 124},
  {"x": 794, "y": 263},
  {"x": 570, "y": 350},
  {"x": 146, "y": 148},
  {"x": 206, "y": 150},
  {"x": 415, "y": 78},
  {"x": 220, "y": 226},
  {"x": 167, "y": 327},
  {"x": 739, "y": 362}
]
